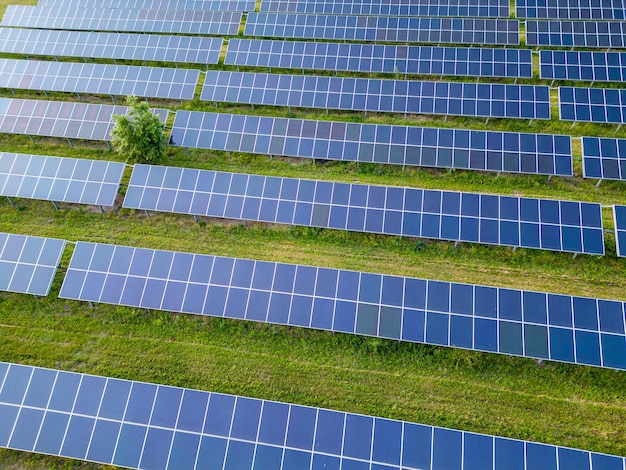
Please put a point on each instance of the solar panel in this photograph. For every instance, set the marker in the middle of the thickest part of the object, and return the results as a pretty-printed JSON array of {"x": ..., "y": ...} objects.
[
  {"x": 381, "y": 28},
  {"x": 109, "y": 79},
  {"x": 571, "y": 9},
  {"x": 462, "y": 8},
  {"x": 60, "y": 179},
  {"x": 604, "y": 158},
  {"x": 129, "y": 46},
  {"x": 28, "y": 264},
  {"x": 61, "y": 118},
  {"x": 367, "y": 94},
  {"x": 399, "y": 145},
  {"x": 217, "y": 5},
  {"x": 588, "y": 66},
  {"x": 619, "y": 214},
  {"x": 143, "y": 425},
  {"x": 508, "y": 321},
  {"x": 592, "y": 105},
  {"x": 447, "y": 215},
  {"x": 150, "y": 21},
  {"x": 603, "y": 34},
  {"x": 423, "y": 60}
]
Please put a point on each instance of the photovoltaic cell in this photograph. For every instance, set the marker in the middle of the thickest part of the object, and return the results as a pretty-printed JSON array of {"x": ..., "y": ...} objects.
[
  {"x": 588, "y": 66},
  {"x": 110, "y": 79},
  {"x": 592, "y": 105},
  {"x": 129, "y": 46},
  {"x": 142, "y": 425},
  {"x": 447, "y": 215},
  {"x": 217, "y": 5},
  {"x": 619, "y": 214},
  {"x": 603, "y": 34},
  {"x": 28, "y": 264},
  {"x": 604, "y": 158},
  {"x": 571, "y": 9},
  {"x": 379, "y": 143},
  {"x": 423, "y": 60},
  {"x": 60, "y": 179},
  {"x": 61, "y": 118},
  {"x": 508, "y": 321},
  {"x": 381, "y": 28},
  {"x": 367, "y": 94}
]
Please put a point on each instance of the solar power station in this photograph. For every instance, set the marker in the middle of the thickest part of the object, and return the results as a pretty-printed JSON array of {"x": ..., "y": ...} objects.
[
  {"x": 218, "y": 5},
  {"x": 60, "y": 179},
  {"x": 346, "y": 57},
  {"x": 109, "y": 79},
  {"x": 468, "y": 217},
  {"x": 593, "y": 104},
  {"x": 128, "y": 46},
  {"x": 619, "y": 213},
  {"x": 604, "y": 158},
  {"x": 601, "y": 34},
  {"x": 368, "y": 94},
  {"x": 61, "y": 118},
  {"x": 28, "y": 264},
  {"x": 383, "y": 28},
  {"x": 143, "y": 425},
  {"x": 588, "y": 66},
  {"x": 400, "y": 145},
  {"x": 571, "y": 9}
]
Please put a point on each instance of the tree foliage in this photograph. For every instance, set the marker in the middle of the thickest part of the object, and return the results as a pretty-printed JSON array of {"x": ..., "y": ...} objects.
[{"x": 139, "y": 136}]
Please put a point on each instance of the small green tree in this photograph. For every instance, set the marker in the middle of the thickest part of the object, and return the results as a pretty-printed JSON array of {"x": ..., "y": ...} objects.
[{"x": 139, "y": 135}]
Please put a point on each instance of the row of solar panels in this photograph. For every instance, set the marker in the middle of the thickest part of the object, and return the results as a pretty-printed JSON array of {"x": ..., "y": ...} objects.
[
  {"x": 508, "y": 321},
  {"x": 148, "y": 426}
]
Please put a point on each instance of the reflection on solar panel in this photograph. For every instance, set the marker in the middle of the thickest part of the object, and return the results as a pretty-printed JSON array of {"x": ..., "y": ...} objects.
[
  {"x": 61, "y": 118},
  {"x": 619, "y": 214},
  {"x": 149, "y": 21},
  {"x": 142, "y": 425},
  {"x": 373, "y": 28},
  {"x": 190, "y": 49},
  {"x": 217, "y": 5},
  {"x": 60, "y": 179},
  {"x": 604, "y": 158},
  {"x": 426, "y": 60},
  {"x": 507, "y": 321},
  {"x": 447, "y": 215},
  {"x": 592, "y": 104},
  {"x": 602, "y": 34},
  {"x": 589, "y": 66},
  {"x": 366, "y": 94},
  {"x": 125, "y": 80},
  {"x": 28, "y": 264},
  {"x": 571, "y": 9},
  {"x": 400, "y": 145},
  {"x": 462, "y": 8}
]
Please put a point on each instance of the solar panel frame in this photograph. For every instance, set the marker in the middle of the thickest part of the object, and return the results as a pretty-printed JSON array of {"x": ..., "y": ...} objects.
[
  {"x": 101, "y": 45},
  {"x": 619, "y": 220},
  {"x": 590, "y": 34},
  {"x": 28, "y": 264},
  {"x": 214, "y": 5},
  {"x": 583, "y": 65},
  {"x": 604, "y": 158},
  {"x": 605, "y": 105},
  {"x": 379, "y": 143},
  {"x": 571, "y": 9}
]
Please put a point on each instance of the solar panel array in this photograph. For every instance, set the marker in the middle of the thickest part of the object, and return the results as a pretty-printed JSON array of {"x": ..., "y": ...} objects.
[
  {"x": 619, "y": 214},
  {"x": 383, "y": 28},
  {"x": 142, "y": 425},
  {"x": 423, "y": 60},
  {"x": 28, "y": 264},
  {"x": 217, "y": 5},
  {"x": 125, "y": 80},
  {"x": 149, "y": 21},
  {"x": 603, "y": 34},
  {"x": 61, "y": 118},
  {"x": 60, "y": 179},
  {"x": 462, "y": 8},
  {"x": 129, "y": 46},
  {"x": 592, "y": 104},
  {"x": 446, "y": 215},
  {"x": 571, "y": 9},
  {"x": 589, "y": 66},
  {"x": 604, "y": 158},
  {"x": 367, "y": 94},
  {"x": 400, "y": 145}
]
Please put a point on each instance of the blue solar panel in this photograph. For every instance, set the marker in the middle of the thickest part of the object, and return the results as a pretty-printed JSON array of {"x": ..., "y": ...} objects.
[
  {"x": 571, "y": 9},
  {"x": 423, "y": 60},
  {"x": 60, "y": 179},
  {"x": 109, "y": 79},
  {"x": 399, "y": 145},
  {"x": 381, "y": 28},
  {"x": 469, "y": 217},
  {"x": 218, "y": 5},
  {"x": 604, "y": 34},
  {"x": 367, "y": 94},
  {"x": 619, "y": 214},
  {"x": 497, "y": 320},
  {"x": 592, "y": 105},
  {"x": 142, "y": 425},
  {"x": 129, "y": 46},
  {"x": 149, "y": 21},
  {"x": 28, "y": 264},
  {"x": 604, "y": 158},
  {"x": 588, "y": 66}
]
